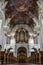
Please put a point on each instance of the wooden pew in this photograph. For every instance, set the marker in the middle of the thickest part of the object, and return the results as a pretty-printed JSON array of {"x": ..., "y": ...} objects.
[
  {"x": 7, "y": 58},
  {"x": 36, "y": 58}
]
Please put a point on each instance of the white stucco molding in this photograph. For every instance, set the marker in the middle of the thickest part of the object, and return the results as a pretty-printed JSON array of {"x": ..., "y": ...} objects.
[{"x": 2, "y": 16}]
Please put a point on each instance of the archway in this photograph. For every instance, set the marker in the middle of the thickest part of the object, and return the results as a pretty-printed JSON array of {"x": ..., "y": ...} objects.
[{"x": 22, "y": 55}]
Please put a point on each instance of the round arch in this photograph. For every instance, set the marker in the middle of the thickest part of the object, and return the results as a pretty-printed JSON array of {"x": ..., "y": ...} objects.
[
  {"x": 22, "y": 54},
  {"x": 23, "y": 49}
]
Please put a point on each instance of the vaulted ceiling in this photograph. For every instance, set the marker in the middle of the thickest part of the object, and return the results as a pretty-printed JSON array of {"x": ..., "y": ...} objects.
[
  {"x": 19, "y": 10},
  {"x": 15, "y": 6},
  {"x": 21, "y": 19}
]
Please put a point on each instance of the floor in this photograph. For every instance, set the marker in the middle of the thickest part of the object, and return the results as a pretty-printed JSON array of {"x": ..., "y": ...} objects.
[{"x": 22, "y": 64}]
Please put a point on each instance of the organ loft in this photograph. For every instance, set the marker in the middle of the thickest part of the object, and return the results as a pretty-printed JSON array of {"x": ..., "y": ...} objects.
[{"x": 21, "y": 31}]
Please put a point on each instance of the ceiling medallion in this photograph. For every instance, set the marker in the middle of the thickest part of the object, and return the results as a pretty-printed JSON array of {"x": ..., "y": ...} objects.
[{"x": 21, "y": 7}]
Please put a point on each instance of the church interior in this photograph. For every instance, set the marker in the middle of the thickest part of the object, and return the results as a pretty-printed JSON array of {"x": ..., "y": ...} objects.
[{"x": 21, "y": 31}]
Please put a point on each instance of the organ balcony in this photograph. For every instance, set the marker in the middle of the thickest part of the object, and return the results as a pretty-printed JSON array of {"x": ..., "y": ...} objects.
[{"x": 22, "y": 36}]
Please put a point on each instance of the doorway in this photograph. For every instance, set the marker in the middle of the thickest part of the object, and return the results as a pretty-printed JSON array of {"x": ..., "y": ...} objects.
[{"x": 22, "y": 55}]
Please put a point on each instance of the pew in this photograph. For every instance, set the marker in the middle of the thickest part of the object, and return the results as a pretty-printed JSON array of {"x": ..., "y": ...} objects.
[
  {"x": 8, "y": 58},
  {"x": 36, "y": 58}
]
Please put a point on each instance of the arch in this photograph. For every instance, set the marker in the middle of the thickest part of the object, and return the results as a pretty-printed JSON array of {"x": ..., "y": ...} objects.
[
  {"x": 19, "y": 26},
  {"x": 21, "y": 19},
  {"x": 22, "y": 49},
  {"x": 22, "y": 30},
  {"x": 22, "y": 54}
]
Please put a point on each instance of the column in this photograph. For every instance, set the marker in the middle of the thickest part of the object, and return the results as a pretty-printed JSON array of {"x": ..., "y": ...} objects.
[
  {"x": 12, "y": 42},
  {"x": 31, "y": 45}
]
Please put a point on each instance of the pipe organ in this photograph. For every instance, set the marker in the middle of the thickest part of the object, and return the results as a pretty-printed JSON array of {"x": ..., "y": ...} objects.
[{"x": 21, "y": 35}]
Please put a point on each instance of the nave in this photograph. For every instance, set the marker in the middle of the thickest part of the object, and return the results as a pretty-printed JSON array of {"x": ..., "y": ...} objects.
[
  {"x": 21, "y": 32},
  {"x": 8, "y": 58}
]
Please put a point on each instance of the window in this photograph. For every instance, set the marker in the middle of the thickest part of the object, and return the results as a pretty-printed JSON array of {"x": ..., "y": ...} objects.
[{"x": 0, "y": 25}]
